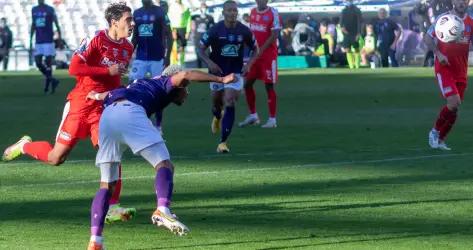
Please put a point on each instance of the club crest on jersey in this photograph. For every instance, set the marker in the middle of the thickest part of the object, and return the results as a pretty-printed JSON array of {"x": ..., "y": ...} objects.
[
  {"x": 115, "y": 52},
  {"x": 265, "y": 18},
  {"x": 145, "y": 18},
  {"x": 152, "y": 18},
  {"x": 240, "y": 38},
  {"x": 230, "y": 50},
  {"x": 231, "y": 38},
  {"x": 125, "y": 54}
]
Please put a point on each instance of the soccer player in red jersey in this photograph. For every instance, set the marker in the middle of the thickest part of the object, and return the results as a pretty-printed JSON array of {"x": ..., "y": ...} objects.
[
  {"x": 265, "y": 23},
  {"x": 97, "y": 65},
  {"x": 451, "y": 67}
]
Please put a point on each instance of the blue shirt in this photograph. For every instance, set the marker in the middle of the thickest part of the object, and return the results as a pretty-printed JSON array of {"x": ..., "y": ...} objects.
[
  {"x": 151, "y": 94},
  {"x": 43, "y": 17},
  {"x": 227, "y": 46},
  {"x": 150, "y": 23}
]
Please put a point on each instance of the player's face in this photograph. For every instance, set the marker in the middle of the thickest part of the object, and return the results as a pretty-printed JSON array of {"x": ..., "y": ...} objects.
[
  {"x": 230, "y": 13},
  {"x": 460, "y": 6},
  {"x": 124, "y": 26},
  {"x": 147, "y": 2},
  {"x": 40, "y": 2},
  {"x": 382, "y": 14},
  {"x": 262, "y": 4}
]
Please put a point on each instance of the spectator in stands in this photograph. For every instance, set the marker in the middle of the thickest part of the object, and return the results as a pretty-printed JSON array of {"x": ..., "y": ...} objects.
[
  {"x": 326, "y": 42},
  {"x": 246, "y": 19},
  {"x": 351, "y": 27},
  {"x": 201, "y": 23},
  {"x": 388, "y": 33},
  {"x": 286, "y": 37},
  {"x": 369, "y": 45},
  {"x": 180, "y": 17},
  {"x": 6, "y": 40},
  {"x": 303, "y": 37},
  {"x": 439, "y": 7}
]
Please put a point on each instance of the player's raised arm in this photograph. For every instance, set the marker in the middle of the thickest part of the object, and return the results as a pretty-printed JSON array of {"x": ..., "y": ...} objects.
[{"x": 183, "y": 78}]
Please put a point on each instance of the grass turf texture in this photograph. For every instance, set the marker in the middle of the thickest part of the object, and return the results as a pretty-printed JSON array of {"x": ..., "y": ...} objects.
[{"x": 347, "y": 168}]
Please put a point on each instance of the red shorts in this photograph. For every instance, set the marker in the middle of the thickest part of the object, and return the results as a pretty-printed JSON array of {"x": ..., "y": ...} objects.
[
  {"x": 449, "y": 84},
  {"x": 79, "y": 120},
  {"x": 264, "y": 69}
]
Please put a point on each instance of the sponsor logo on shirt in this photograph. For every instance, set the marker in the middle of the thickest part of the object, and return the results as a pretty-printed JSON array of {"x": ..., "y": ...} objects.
[
  {"x": 107, "y": 62},
  {"x": 145, "y": 30},
  {"x": 447, "y": 90},
  {"x": 230, "y": 50},
  {"x": 257, "y": 27},
  {"x": 65, "y": 136}
]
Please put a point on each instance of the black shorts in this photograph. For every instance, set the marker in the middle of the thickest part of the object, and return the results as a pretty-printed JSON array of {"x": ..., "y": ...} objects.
[
  {"x": 350, "y": 41},
  {"x": 181, "y": 37}
]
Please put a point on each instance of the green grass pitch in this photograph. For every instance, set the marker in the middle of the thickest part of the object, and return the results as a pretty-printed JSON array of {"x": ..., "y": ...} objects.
[{"x": 347, "y": 168}]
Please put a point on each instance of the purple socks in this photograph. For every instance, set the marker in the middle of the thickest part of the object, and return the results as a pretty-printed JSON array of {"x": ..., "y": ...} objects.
[
  {"x": 98, "y": 211},
  {"x": 227, "y": 123},
  {"x": 163, "y": 184}
]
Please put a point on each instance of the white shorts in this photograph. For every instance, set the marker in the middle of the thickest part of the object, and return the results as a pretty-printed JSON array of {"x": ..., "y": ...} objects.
[
  {"x": 238, "y": 85},
  {"x": 140, "y": 68},
  {"x": 125, "y": 124},
  {"x": 44, "y": 49},
  {"x": 110, "y": 172}
]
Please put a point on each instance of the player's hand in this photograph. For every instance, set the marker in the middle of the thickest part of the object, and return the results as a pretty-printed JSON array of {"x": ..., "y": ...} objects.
[
  {"x": 215, "y": 69},
  {"x": 116, "y": 70},
  {"x": 442, "y": 58},
  {"x": 231, "y": 78},
  {"x": 246, "y": 69},
  {"x": 93, "y": 95},
  {"x": 174, "y": 35}
]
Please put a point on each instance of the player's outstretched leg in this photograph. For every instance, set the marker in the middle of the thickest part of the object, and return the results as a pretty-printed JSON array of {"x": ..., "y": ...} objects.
[
  {"x": 115, "y": 211},
  {"x": 162, "y": 216},
  {"x": 16, "y": 150},
  {"x": 250, "y": 94},
  {"x": 272, "y": 105},
  {"x": 444, "y": 123}
]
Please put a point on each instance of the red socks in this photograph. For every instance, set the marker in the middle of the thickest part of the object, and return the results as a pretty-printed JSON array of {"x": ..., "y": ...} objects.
[
  {"x": 251, "y": 99},
  {"x": 272, "y": 101},
  {"x": 445, "y": 122},
  {"x": 38, "y": 150},
  {"x": 115, "y": 199}
]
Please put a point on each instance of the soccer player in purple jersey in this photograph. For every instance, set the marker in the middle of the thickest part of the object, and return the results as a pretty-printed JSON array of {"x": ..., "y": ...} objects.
[
  {"x": 43, "y": 17},
  {"x": 125, "y": 122},
  {"x": 227, "y": 41}
]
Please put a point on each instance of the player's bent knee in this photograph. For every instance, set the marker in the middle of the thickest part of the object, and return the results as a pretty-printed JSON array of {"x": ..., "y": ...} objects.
[{"x": 165, "y": 164}]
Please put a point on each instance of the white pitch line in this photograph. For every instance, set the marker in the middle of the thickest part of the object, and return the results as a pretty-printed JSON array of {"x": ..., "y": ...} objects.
[
  {"x": 421, "y": 157},
  {"x": 202, "y": 156}
]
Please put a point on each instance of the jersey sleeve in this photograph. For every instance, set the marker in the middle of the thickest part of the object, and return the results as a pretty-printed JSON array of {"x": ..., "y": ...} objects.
[
  {"x": 207, "y": 38},
  {"x": 87, "y": 48},
  {"x": 276, "y": 25}
]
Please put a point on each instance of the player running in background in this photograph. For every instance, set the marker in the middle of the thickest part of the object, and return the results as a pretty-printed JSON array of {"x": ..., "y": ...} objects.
[
  {"x": 227, "y": 40},
  {"x": 180, "y": 17},
  {"x": 451, "y": 69},
  {"x": 97, "y": 65},
  {"x": 43, "y": 17},
  {"x": 265, "y": 23},
  {"x": 150, "y": 40},
  {"x": 125, "y": 123}
]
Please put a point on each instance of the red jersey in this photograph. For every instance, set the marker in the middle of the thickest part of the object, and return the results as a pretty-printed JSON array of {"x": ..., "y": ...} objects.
[
  {"x": 456, "y": 52},
  {"x": 262, "y": 23},
  {"x": 99, "y": 53}
]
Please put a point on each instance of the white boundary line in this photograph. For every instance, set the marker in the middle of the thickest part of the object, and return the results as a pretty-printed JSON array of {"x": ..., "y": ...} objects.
[{"x": 412, "y": 158}]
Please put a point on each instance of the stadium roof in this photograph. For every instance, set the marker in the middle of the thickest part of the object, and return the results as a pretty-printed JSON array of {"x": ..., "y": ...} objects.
[{"x": 328, "y": 6}]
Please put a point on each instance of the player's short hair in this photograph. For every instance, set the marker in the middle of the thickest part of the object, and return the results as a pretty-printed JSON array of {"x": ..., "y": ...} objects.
[
  {"x": 172, "y": 70},
  {"x": 115, "y": 11},
  {"x": 229, "y": 2}
]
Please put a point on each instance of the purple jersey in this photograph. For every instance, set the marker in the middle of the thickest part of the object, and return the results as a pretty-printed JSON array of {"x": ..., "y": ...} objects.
[
  {"x": 227, "y": 46},
  {"x": 151, "y": 94},
  {"x": 149, "y": 23},
  {"x": 43, "y": 17}
]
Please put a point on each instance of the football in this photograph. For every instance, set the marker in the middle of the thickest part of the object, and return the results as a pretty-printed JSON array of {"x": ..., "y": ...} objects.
[{"x": 449, "y": 28}]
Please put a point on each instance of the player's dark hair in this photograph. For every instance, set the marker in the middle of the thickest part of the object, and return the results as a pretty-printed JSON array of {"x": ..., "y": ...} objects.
[
  {"x": 115, "y": 11},
  {"x": 229, "y": 2}
]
